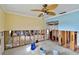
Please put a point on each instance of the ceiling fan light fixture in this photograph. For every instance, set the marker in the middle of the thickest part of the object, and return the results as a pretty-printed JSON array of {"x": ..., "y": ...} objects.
[
  {"x": 47, "y": 10},
  {"x": 45, "y": 5}
]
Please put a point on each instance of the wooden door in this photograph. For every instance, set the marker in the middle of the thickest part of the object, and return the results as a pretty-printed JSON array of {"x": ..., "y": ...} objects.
[
  {"x": 50, "y": 35},
  {"x": 72, "y": 40},
  {"x": 75, "y": 40},
  {"x": 63, "y": 38},
  {"x": 68, "y": 39}
]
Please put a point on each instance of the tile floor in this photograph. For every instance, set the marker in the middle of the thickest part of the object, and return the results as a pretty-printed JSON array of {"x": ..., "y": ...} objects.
[{"x": 47, "y": 45}]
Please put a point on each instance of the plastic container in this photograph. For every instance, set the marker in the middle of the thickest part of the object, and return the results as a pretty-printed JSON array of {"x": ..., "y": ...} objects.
[
  {"x": 55, "y": 52},
  {"x": 42, "y": 51}
]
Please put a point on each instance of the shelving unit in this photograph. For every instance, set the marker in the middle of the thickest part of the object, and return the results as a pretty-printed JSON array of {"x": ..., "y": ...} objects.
[{"x": 22, "y": 37}]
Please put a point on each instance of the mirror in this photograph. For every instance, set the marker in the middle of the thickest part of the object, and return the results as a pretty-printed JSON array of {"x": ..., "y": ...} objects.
[{"x": 0, "y": 41}]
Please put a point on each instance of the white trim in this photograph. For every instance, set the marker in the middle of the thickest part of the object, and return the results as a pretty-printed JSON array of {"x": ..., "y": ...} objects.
[
  {"x": 63, "y": 14},
  {"x": 1, "y": 8},
  {"x": 16, "y": 13}
]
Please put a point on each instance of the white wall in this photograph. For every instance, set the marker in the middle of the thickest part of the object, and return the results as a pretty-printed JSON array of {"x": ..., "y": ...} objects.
[{"x": 77, "y": 39}]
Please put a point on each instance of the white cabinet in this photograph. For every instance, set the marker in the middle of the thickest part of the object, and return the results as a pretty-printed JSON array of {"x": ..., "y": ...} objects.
[{"x": 0, "y": 50}]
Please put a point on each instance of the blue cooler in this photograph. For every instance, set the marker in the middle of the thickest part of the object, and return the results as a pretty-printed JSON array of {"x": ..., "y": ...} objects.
[{"x": 33, "y": 46}]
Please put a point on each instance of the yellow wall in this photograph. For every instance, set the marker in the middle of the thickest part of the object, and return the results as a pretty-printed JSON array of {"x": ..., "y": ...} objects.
[
  {"x": 9, "y": 21},
  {"x": 2, "y": 18},
  {"x": 18, "y": 22}
]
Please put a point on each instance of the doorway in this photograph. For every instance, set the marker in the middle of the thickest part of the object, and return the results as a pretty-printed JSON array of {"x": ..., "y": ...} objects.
[
  {"x": 50, "y": 35},
  {"x": 53, "y": 30}
]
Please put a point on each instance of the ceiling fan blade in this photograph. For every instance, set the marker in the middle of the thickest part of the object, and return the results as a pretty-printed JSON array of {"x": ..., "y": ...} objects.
[
  {"x": 51, "y": 13},
  {"x": 52, "y": 6},
  {"x": 41, "y": 14}
]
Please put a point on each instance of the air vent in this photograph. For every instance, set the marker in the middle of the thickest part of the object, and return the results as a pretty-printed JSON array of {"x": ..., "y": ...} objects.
[{"x": 62, "y": 12}]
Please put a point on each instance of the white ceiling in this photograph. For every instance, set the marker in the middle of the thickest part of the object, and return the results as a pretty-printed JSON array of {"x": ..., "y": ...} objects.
[{"x": 26, "y": 8}]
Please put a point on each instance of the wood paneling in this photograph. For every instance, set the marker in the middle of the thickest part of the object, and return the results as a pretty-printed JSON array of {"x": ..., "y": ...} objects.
[
  {"x": 59, "y": 36},
  {"x": 6, "y": 38},
  {"x": 63, "y": 38},
  {"x": 65, "y": 45},
  {"x": 66, "y": 39}
]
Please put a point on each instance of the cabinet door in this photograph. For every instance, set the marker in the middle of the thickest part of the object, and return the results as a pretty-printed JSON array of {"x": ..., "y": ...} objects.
[
  {"x": 15, "y": 41},
  {"x": 22, "y": 40}
]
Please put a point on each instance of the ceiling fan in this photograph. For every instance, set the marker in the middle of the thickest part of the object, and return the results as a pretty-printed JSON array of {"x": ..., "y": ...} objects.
[{"x": 47, "y": 9}]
